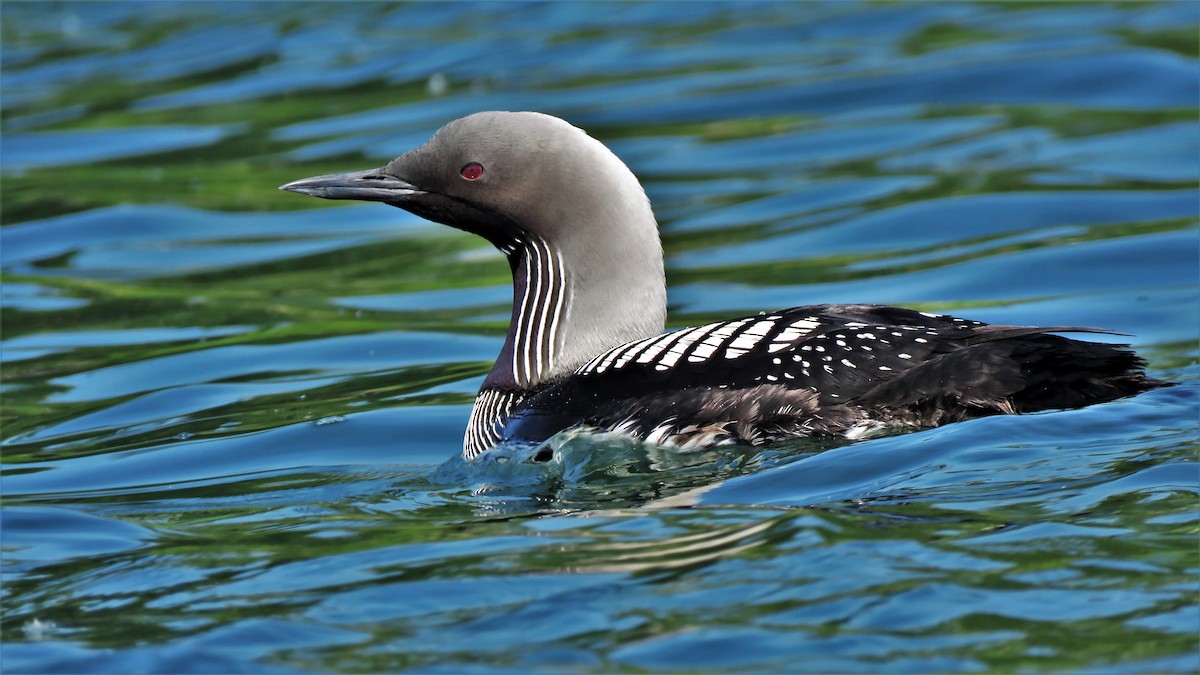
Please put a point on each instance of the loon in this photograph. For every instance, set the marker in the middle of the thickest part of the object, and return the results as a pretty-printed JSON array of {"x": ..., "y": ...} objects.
[{"x": 586, "y": 349}]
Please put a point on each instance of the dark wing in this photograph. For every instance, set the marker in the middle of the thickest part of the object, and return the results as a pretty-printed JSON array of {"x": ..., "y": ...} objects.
[
  {"x": 838, "y": 351},
  {"x": 825, "y": 369},
  {"x": 805, "y": 361}
]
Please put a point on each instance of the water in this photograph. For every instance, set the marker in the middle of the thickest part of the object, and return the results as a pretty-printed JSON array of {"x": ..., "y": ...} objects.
[{"x": 227, "y": 410}]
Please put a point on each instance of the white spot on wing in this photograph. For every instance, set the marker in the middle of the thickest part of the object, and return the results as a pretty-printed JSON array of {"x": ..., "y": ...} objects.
[
  {"x": 702, "y": 352},
  {"x": 654, "y": 348},
  {"x": 760, "y": 328},
  {"x": 745, "y": 342},
  {"x": 689, "y": 336}
]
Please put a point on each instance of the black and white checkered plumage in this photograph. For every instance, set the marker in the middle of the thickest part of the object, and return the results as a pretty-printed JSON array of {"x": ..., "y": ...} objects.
[
  {"x": 827, "y": 369},
  {"x": 585, "y": 347}
]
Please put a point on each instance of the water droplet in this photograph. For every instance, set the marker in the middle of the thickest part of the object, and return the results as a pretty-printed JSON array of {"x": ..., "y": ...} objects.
[
  {"x": 36, "y": 629},
  {"x": 183, "y": 435},
  {"x": 437, "y": 84}
]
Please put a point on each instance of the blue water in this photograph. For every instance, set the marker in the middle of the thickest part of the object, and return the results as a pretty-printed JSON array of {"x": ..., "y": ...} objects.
[{"x": 230, "y": 415}]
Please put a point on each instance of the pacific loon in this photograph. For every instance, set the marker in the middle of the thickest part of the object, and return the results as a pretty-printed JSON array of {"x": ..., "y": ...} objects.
[{"x": 585, "y": 346}]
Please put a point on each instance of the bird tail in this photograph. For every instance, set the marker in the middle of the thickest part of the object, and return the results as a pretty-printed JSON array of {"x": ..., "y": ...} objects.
[
  {"x": 1063, "y": 373},
  {"x": 1011, "y": 369}
]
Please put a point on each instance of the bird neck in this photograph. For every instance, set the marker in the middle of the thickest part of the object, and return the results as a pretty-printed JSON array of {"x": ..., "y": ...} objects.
[
  {"x": 573, "y": 302},
  {"x": 540, "y": 295}
]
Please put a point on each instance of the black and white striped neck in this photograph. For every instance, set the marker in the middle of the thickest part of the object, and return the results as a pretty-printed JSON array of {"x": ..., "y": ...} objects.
[{"x": 541, "y": 294}]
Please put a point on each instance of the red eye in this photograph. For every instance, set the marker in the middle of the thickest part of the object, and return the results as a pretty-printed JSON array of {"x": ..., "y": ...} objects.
[{"x": 472, "y": 170}]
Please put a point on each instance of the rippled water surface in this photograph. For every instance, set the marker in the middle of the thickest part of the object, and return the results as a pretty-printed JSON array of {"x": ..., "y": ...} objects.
[{"x": 226, "y": 408}]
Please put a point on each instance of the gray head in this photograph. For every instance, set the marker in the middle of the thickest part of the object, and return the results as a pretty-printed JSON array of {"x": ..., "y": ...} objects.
[{"x": 534, "y": 185}]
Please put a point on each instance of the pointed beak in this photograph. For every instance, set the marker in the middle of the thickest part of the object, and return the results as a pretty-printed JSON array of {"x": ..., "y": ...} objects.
[{"x": 372, "y": 185}]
